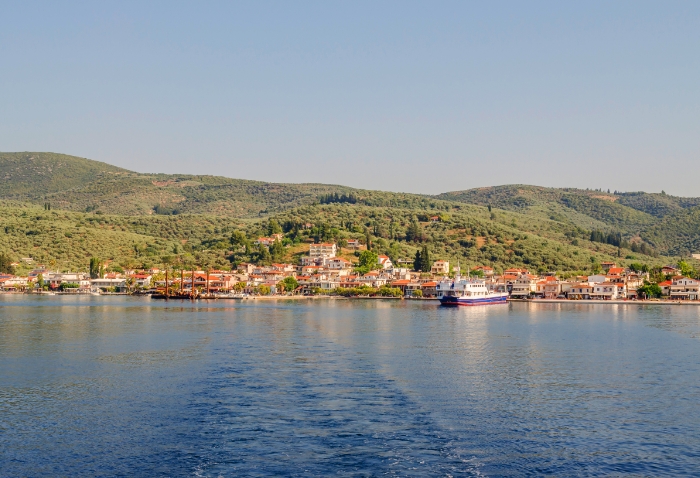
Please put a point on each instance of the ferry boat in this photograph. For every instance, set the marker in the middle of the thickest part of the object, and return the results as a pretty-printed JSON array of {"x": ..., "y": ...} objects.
[{"x": 468, "y": 292}]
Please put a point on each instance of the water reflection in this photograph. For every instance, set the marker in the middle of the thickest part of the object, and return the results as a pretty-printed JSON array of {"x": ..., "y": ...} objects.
[{"x": 128, "y": 386}]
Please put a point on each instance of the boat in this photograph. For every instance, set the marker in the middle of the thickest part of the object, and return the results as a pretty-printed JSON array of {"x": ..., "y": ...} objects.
[{"x": 468, "y": 292}]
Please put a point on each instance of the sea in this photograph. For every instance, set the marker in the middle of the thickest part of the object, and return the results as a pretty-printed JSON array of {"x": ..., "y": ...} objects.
[{"x": 126, "y": 386}]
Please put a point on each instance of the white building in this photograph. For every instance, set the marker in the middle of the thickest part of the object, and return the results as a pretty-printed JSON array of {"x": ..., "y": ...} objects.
[
  {"x": 338, "y": 263},
  {"x": 605, "y": 291},
  {"x": 440, "y": 267},
  {"x": 385, "y": 262},
  {"x": 685, "y": 289},
  {"x": 523, "y": 286},
  {"x": 105, "y": 284},
  {"x": 322, "y": 250}
]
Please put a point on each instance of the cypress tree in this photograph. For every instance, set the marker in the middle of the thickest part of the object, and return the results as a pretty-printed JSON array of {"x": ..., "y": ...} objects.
[
  {"x": 95, "y": 268},
  {"x": 417, "y": 262},
  {"x": 6, "y": 265},
  {"x": 264, "y": 257},
  {"x": 425, "y": 259}
]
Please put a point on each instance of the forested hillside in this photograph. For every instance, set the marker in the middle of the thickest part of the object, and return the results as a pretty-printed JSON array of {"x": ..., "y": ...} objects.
[
  {"x": 34, "y": 175},
  {"x": 666, "y": 222},
  {"x": 63, "y": 209}
]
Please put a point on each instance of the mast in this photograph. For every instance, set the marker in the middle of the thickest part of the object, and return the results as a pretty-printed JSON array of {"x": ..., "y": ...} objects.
[{"x": 192, "y": 294}]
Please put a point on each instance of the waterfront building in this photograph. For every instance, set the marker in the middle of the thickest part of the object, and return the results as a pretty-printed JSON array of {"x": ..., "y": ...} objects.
[{"x": 440, "y": 267}]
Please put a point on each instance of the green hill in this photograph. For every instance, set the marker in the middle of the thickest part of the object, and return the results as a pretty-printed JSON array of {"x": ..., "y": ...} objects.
[
  {"x": 79, "y": 184},
  {"x": 666, "y": 222},
  {"x": 514, "y": 225},
  {"x": 33, "y": 175}
]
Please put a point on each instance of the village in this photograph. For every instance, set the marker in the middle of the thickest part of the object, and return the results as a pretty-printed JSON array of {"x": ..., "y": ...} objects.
[{"x": 322, "y": 272}]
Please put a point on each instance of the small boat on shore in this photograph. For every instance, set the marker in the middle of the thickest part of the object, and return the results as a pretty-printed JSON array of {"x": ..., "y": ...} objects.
[{"x": 468, "y": 292}]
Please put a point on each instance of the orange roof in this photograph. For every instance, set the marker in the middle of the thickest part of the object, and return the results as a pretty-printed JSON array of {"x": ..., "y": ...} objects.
[
  {"x": 429, "y": 284},
  {"x": 401, "y": 282},
  {"x": 616, "y": 270}
]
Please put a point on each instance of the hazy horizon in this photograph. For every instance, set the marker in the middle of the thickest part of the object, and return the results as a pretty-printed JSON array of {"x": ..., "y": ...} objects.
[{"x": 413, "y": 97}]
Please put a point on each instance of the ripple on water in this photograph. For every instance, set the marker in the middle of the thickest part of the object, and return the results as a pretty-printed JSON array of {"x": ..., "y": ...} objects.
[{"x": 363, "y": 389}]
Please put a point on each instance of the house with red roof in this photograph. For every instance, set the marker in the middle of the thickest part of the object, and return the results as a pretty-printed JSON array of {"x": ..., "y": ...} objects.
[{"x": 385, "y": 262}]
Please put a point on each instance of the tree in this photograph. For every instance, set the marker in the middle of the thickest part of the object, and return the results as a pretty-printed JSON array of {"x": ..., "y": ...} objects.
[
  {"x": 649, "y": 290},
  {"x": 417, "y": 262},
  {"x": 425, "y": 260},
  {"x": 264, "y": 289},
  {"x": 387, "y": 291},
  {"x": 95, "y": 268},
  {"x": 264, "y": 257},
  {"x": 414, "y": 233},
  {"x": 238, "y": 239},
  {"x": 686, "y": 269},
  {"x": 289, "y": 284},
  {"x": 277, "y": 251},
  {"x": 638, "y": 267},
  {"x": 417, "y": 293},
  {"x": 239, "y": 286},
  {"x": 368, "y": 239},
  {"x": 40, "y": 281},
  {"x": 273, "y": 227},
  {"x": 368, "y": 261},
  {"x": 6, "y": 265}
]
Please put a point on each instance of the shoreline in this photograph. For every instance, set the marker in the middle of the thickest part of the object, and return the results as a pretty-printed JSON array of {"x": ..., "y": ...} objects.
[
  {"x": 417, "y": 299},
  {"x": 607, "y": 302}
]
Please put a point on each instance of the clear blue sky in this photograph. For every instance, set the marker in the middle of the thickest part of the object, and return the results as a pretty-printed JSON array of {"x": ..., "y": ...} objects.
[{"x": 404, "y": 96}]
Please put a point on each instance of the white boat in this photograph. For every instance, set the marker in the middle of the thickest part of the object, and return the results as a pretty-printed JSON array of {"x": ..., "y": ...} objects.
[{"x": 468, "y": 292}]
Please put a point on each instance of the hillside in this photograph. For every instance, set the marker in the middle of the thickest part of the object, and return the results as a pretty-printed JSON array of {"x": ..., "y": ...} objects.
[
  {"x": 67, "y": 240},
  {"x": 666, "y": 222},
  {"x": 32, "y": 175},
  {"x": 78, "y": 184},
  {"x": 484, "y": 225}
]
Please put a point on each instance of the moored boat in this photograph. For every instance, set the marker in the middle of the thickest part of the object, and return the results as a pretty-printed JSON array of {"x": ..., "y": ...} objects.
[{"x": 468, "y": 292}]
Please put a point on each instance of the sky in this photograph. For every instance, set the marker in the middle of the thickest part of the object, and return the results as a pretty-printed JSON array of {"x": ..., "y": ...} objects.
[{"x": 421, "y": 97}]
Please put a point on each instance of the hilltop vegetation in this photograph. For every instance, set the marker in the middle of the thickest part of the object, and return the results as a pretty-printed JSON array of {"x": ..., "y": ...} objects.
[
  {"x": 134, "y": 219},
  {"x": 34, "y": 175},
  {"x": 665, "y": 222}
]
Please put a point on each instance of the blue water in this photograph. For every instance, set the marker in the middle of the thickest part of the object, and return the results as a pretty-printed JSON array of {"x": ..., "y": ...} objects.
[{"x": 114, "y": 386}]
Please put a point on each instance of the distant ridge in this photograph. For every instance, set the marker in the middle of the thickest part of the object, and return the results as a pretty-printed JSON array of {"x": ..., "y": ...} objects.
[
  {"x": 670, "y": 224},
  {"x": 28, "y": 174}
]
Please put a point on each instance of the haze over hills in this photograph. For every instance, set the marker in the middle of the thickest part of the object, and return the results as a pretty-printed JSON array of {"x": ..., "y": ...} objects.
[{"x": 168, "y": 215}]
